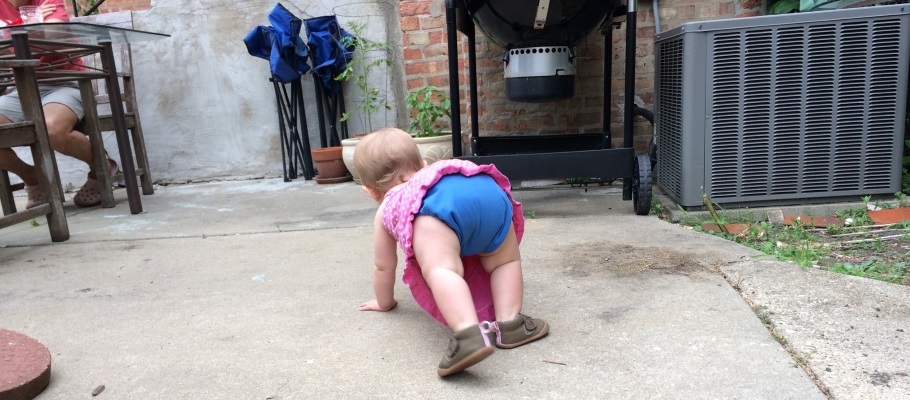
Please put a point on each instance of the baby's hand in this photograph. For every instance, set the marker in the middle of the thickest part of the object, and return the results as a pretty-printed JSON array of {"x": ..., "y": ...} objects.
[{"x": 373, "y": 305}]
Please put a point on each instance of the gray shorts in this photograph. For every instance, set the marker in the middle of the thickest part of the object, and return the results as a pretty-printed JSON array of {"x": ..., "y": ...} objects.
[{"x": 66, "y": 94}]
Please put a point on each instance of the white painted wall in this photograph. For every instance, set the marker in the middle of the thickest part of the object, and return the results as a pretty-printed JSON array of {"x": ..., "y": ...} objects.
[{"x": 208, "y": 110}]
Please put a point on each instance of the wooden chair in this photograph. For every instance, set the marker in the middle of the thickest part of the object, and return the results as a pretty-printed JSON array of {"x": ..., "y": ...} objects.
[
  {"x": 33, "y": 133},
  {"x": 98, "y": 119}
]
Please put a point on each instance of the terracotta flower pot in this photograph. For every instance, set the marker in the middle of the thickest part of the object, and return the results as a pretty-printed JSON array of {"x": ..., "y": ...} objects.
[{"x": 329, "y": 165}]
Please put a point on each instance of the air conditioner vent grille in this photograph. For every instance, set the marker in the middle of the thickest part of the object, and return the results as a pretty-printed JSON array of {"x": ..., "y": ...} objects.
[{"x": 671, "y": 56}]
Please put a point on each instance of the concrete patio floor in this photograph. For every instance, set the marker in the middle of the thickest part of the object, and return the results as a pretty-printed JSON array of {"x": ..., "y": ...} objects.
[{"x": 249, "y": 290}]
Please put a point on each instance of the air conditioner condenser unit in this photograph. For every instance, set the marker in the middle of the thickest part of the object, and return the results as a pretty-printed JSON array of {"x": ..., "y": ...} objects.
[{"x": 783, "y": 108}]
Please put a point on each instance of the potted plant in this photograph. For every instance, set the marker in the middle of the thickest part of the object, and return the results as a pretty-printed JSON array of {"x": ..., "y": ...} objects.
[
  {"x": 427, "y": 105},
  {"x": 358, "y": 72}
]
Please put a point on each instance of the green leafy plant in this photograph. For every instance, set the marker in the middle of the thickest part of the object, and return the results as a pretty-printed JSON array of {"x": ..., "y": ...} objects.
[
  {"x": 876, "y": 269},
  {"x": 902, "y": 199},
  {"x": 427, "y": 105},
  {"x": 358, "y": 72},
  {"x": 783, "y": 6},
  {"x": 84, "y": 5},
  {"x": 657, "y": 207},
  {"x": 856, "y": 216}
]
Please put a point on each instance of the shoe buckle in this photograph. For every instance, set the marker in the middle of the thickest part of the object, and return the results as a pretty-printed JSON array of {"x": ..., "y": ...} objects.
[{"x": 486, "y": 328}]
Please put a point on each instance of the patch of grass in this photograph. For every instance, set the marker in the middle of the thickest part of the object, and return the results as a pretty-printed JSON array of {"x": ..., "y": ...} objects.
[
  {"x": 875, "y": 268},
  {"x": 763, "y": 314},
  {"x": 855, "y": 217},
  {"x": 790, "y": 243},
  {"x": 35, "y": 223},
  {"x": 689, "y": 219},
  {"x": 859, "y": 248},
  {"x": 799, "y": 360},
  {"x": 531, "y": 214}
]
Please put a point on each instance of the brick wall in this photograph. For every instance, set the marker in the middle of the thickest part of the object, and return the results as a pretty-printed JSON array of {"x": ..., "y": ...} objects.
[
  {"x": 425, "y": 58},
  {"x": 108, "y": 6}
]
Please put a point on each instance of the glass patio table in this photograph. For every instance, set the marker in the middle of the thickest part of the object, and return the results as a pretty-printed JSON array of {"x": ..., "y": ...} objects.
[{"x": 70, "y": 41}]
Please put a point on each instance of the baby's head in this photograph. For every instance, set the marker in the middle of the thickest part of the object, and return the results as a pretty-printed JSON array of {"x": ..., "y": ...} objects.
[{"x": 386, "y": 158}]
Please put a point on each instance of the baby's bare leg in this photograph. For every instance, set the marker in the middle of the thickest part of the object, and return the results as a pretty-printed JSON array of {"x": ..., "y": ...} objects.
[
  {"x": 438, "y": 251},
  {"x": 504, "y": 266}
]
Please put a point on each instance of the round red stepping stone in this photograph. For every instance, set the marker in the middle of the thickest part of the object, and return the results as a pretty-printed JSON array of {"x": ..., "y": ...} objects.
[{"x": 25, "y": 366}]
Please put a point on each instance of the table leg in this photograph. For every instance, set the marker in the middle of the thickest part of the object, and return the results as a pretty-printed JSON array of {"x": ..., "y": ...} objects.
[{"x": 119, "y": 119}]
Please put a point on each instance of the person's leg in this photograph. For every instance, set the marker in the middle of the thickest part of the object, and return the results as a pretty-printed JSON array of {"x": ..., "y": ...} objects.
[
  {"x": 506, "y": 281},
  {"x": 61, "y": 121},
  {"x": 512, "y": 328},
  {"x": 437, "y": 249},
  {"x": 63, "y": 110},
  {"x": 9, "y": 161}
]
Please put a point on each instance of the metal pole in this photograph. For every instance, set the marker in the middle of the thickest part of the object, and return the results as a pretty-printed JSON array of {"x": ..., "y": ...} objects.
[
  {"x": 608, "y": 78},
  {"x": 455, "y": 99},
  {"x": 472, "y": 70},
  {"x": 281, "y": 129},
  {"x": 307, "y": 156},
  {"x": 320, "y": 109},
  {"x": 628, "y": 116},
  {"x": 290, "y": 108}
]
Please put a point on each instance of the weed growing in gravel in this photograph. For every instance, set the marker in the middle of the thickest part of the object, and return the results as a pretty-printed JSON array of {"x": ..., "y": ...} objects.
[
  {"x": 791, "y": 243},
  {"x": 859, "y": 248}
]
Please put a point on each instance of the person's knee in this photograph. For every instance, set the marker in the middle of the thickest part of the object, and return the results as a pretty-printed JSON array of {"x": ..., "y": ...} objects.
[
  {"x": 58, "y": 132},
  {"x": 60, "y": 121}
]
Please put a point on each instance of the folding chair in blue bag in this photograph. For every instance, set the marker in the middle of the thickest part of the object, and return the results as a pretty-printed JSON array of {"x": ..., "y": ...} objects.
[
  {"x": 330, "y": 57},
  {"x": 282, "y": 45}
]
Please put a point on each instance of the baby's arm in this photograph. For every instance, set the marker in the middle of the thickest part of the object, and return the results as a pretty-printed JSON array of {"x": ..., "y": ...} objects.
[{"x": 386, "y": 259}]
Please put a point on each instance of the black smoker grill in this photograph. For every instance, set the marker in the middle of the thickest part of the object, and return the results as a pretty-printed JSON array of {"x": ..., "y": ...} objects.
[{"x": 539, "y": 38}]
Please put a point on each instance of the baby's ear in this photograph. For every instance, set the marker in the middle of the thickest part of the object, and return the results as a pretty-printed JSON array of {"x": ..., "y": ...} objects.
[
  {"x": 423, "y": 161},
  {"x": 373, "y": 195}
]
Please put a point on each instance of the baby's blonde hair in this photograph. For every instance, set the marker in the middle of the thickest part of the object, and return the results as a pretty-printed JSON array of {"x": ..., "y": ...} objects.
[{"x": 385, "y": 157}]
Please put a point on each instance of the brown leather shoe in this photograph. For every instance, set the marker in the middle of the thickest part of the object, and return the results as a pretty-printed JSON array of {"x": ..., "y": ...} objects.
[
  {"x": 520, "y": 330},
  {"x": 467, "y": 347}
]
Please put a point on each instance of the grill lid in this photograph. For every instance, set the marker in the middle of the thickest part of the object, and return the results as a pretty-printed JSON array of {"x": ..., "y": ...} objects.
[{"x": 525, "y": 23}]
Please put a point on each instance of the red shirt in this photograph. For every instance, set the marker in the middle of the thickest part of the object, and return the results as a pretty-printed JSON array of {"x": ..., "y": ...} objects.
[{"x": 8, "y": 14}]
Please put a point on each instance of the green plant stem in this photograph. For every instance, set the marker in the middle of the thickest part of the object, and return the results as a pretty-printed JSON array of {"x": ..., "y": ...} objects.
[{"x": 714, "y": 216}]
